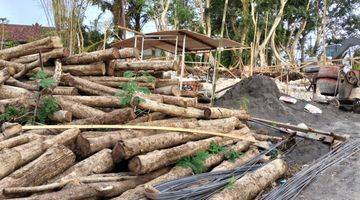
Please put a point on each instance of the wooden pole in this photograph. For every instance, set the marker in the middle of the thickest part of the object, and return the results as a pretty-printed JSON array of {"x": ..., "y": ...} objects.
[{"x": 182, "y": 62}]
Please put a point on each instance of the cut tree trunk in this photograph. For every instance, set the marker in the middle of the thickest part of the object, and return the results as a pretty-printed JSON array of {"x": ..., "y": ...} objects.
[
  {"x": 228, "y": 165},
  {"x": 7, "y": 92},
  {"x": 4, "y": 75},
  {"x": 148, "y": 118},
  {"x": 217, "y": 112},
  {"x": 129, "y": 53},
  {"x": 165, "y": 90},
  {"x": 21, "y": 102},
  {"x": 178, "y": 172},
  {"x": 94, "y": 101},
  {"x": 101, "y": 190},
  {"x": 166, "y": 82},
  {"x": 248, "y": 186},
  {"x": 91, "y": 57},
  {"x": 88, "y": 86},
  {"x": 91, "y": 142},
  {"x": 53, "y": 54},
  {"x": 178, "y": 101},
  {"x": 79, "y": 110},
  {"x": 18, "y": 140},
  {"x": 98, "y": 163},
  {"x": 62, "y": 116},
  {"x": 183, "y": 93},
  {"x": 10, "y": 130},
  {"x": 53, "y": 162},
  {"x": 119, "y": 116},
  {"x": 157, "y": 159},
  {"x": 13, "y": 82},
  {"x": 42, "y": 45},
  {"x": 172, "y": 110},
  {"x": 61, "y": 90},
  {"x": 145, "y": 65},
  {"x": 13, "y": 67}
]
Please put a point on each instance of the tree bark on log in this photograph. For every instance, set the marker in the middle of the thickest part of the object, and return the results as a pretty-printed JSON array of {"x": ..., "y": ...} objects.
[
  {"x": 127, "y": 148},
  {"x": 217, "y": 112},
  {"x": 18, "y": 140},
  {"x": 53, "y": 162},
  {"x": 13, "y": 82},
  {"x": 79, "y": 110},
  {"x": 13, "y": 66},
  {"x": 183, "y": 93},
  {"x": 98, "y": 163},
  {"x": 166, "y": 82},
  {"x": 4, "y": 75},
  {"x": 148, "y": 65},
  {"x": 100, "y": 190},
  {"x": 88, "y": 86},
  {"x": 165, "y": 90},
  {"x": 129, "y": 53},
  {"x": 227, "y": 165},
  {"x": 172, "y": 110},
  {"x": 119, "y": 116},
  {"x": 178, "y": 172},
  {"x": 94, "y": 101},
  {"x": 42, "y": 45},
  {"x": 157, "y": 159},
  {"x": 91, "y": 57},
  {"x": 18, "y": 156},
  {"x": 148, "y": 118},
  {"x": 8, "y": 92},
  {"x": 61, "y": 90},
  {"x": 178, "y": 101},
  {"x": 91, "y": 142},
  {"x": 62, "y": 116},
  {"x": 248, "y": 186},
  {"x": 10, "y": 130},
  {"x": 115, "y": 84},
  {"x": 55, "y": 53}
]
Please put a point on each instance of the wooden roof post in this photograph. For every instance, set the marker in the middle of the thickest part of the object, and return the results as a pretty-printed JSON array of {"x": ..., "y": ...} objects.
[{"x": 182, "y": 62}]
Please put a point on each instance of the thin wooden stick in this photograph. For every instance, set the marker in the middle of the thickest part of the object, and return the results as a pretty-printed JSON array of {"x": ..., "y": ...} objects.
[{"x": 194, "y": 131}]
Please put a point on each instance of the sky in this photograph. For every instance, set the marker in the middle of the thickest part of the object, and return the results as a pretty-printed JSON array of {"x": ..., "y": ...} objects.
[{"x": 29, "y": 12}]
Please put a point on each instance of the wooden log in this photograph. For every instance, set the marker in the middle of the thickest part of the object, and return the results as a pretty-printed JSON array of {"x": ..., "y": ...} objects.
[
  {"x": 7, "y": 92},
  {"x": 55, "y": 53},
  {"x": 53, "y": 162},
  {"x": 145, "y": 65},
  {"x": 165, "y": 90},
  {"x": 91, "y": 57},
  {"x": 95, "y": 69},
  {"x": 157, "y": 159},
  {"x": 10, "y": 130},
  {"x": 166, "y": 82},
  {"x": 248, "y": 186},
  {"x": 13, "y": 82},
  {"x": 227, "y": 165},
  {"x": 20, "y": 101},
  {"x": 178, "y": 101},
  {"x": 115, "y": 84},
  {"x": 156, "y": 74},
  {"x": 4, "y": 75},
  {"x": 101, "y": 190},
  {"x": 88, "y": 86},
  {"x": 172, "y": 110},
  {"x": 94, "y": 101},
  {"x": 79, "y": 110},
  {"x": 42, "y": 45},
  {"x": 13, "y": 67},
  {"x": 61, "y": 90},
  {"x": 217, "y": 112},
  {"x": 119, "y": 116},
  {"x": 129, "y": 53},
  {"x": 115, "y": 79},
  {"x": 178, "y": 172},
  {"x": 183, "y": 93},
  {"x": 127, "y": 148},
  {"x": 148, "y": 118},
  {"x": 91, "y": 142},
  {"x": 62, "y": 116},
  {"x": 18, "y": 140},
  {"x": 248, "y": 135},
  {"x": 98, "y": 163}
]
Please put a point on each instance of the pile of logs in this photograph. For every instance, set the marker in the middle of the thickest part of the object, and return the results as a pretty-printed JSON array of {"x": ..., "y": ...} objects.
[{"x": 70, "y": 163}]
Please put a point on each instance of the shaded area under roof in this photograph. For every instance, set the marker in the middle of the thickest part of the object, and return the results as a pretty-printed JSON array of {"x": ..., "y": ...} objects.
[{"x": 194, "y": 41}]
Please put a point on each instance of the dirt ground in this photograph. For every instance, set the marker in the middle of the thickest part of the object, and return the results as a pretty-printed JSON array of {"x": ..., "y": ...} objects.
[{"x": 260, "y": 95}]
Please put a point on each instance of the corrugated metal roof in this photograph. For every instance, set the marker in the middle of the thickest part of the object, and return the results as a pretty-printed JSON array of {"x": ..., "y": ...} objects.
[{"x": 194, "y": 41}]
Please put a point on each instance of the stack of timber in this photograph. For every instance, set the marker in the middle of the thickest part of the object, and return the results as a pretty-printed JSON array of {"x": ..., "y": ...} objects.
[{"x": 92, "y": 163}]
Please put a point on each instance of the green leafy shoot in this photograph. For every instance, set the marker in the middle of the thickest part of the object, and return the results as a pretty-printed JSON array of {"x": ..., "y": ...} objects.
[
  {"x": 196, "y": 163},
  {"x": 231, "y": 182},
  {"x": 232, "y": 155},
  {"x": 148, "y": 76},
  {"x": 245, "y": 102},
  {"x": 45, "y": 80},
  {"x": 129, "y": 74},
  {"x": 12, "y": 112},
  {"x": 47, "y": 107},
  {"x": 215, "y": 148},
  {"x": 128, "y": 90}
]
